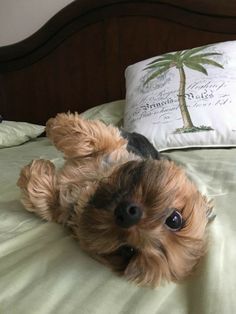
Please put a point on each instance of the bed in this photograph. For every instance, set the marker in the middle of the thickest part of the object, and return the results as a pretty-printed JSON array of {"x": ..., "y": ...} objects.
[{"x": 76, "y": 62}]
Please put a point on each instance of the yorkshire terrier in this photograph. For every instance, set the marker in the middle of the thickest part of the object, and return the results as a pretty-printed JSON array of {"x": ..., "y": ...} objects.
[{"x": 128, "y": 206}]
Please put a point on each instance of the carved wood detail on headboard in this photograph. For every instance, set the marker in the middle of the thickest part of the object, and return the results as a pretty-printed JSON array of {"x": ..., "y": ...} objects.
[{"x": 77, "y": 60}]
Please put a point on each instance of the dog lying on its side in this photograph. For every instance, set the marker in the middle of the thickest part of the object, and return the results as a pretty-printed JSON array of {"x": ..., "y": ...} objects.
[{"x": 130, "y": 209}]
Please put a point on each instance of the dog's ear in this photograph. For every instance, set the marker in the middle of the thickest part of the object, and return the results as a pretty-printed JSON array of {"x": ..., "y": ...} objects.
[{"x": 209, "y": 213}]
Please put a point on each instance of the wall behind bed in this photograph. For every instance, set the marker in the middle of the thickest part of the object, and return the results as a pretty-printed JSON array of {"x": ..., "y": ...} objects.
[{"x": 21, "y": 18}]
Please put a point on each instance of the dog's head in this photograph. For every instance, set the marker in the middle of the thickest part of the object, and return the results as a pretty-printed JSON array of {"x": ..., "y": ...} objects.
[{"x": 147, "y": 221}]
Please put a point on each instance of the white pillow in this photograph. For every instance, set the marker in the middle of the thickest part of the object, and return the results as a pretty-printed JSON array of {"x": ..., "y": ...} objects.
[
  {"x": 184, "y": 99},
  {"x": 15, "y": 133}
]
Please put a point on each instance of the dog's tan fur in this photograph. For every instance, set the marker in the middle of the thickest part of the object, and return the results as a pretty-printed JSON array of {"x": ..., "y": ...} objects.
[{"x": 98, "y": 173}]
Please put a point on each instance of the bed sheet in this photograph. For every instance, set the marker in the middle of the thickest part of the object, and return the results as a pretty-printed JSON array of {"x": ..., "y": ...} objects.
[{"x": 43, "y": 270}]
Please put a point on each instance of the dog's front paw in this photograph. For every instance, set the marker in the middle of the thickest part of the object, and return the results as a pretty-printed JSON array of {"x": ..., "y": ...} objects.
[
  {"x": 37, "y": 182},
  {"x": 78, "y": 137},
  {"x": 68, "y": 132}
]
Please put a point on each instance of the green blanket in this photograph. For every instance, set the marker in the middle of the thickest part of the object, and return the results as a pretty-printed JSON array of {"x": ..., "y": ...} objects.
[{"x": 43, "y": 270}]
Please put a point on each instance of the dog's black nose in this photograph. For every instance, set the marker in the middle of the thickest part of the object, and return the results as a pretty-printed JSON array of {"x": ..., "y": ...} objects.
[{"x": 127, "y": 214}]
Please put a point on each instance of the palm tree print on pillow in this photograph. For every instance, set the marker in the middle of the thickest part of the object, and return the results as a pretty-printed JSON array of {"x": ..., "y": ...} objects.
[{"x": 193, "y": 59}]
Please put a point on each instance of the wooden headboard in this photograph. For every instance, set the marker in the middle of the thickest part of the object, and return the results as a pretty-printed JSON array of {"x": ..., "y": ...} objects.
[{"x": 77, "y": 60}]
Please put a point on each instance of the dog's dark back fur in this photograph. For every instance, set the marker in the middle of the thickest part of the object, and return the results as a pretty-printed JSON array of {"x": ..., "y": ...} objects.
[{"x": 140, "y": 145}]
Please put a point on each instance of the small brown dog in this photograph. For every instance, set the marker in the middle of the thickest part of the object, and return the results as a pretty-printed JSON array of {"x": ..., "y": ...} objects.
[{"x": 136, "y": 212}]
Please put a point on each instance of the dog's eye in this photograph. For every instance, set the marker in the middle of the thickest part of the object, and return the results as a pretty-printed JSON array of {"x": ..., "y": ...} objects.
[
  {"x": 174, "y": 221},
  {"x": 126, "y": 252}
]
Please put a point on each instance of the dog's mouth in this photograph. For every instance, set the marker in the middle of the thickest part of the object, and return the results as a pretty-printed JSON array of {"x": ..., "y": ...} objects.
[{"x": 120, "y": 258}]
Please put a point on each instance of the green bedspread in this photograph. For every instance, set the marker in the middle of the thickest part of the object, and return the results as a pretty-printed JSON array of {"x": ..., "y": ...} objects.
[{"x": 43, "y": 270}]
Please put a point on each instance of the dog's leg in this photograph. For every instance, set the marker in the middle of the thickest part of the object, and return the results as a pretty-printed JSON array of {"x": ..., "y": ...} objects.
[
  {"x": 38, "y": 185},
  {"x": 77, "y": 137}
]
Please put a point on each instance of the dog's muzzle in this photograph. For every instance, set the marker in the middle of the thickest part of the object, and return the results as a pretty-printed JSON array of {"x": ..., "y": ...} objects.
[{"x": 127, "y": 214}]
